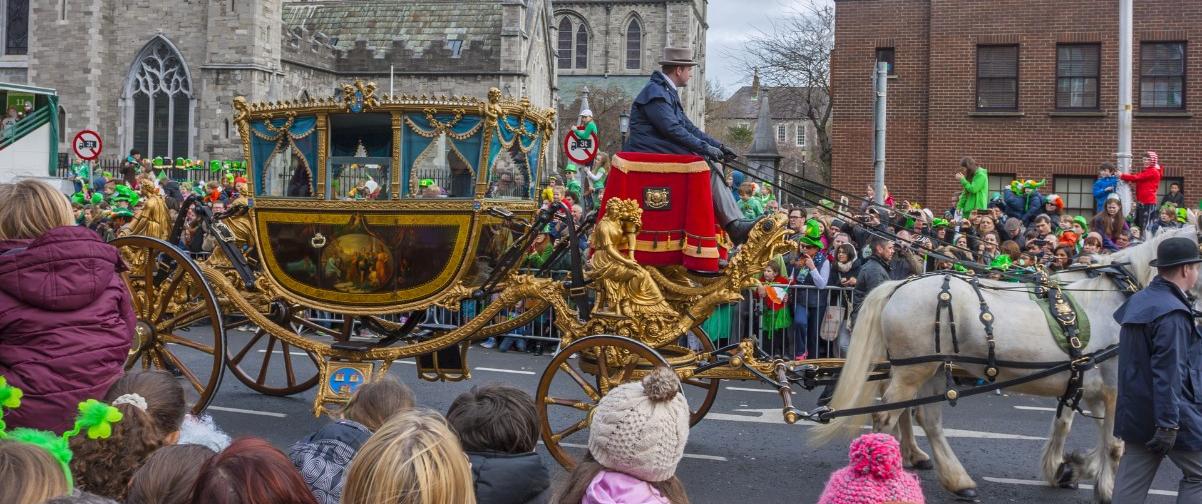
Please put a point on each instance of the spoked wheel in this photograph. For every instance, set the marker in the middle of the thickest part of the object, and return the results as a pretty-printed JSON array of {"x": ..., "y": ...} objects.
[
  {"x": 567, "y": 396},
  {"x": 708, "y": 386},
  {"x": 270, "y": 365},
  {"x": 179, "y": 325}
]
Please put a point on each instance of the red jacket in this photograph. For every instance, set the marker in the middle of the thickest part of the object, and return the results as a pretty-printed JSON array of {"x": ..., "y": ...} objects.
[
  {"x": 1146, "y": 184},
  {"x": 66, "y": 323}
]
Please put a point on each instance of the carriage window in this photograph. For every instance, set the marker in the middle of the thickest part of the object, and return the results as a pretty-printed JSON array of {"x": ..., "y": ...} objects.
[
  {"x": 509, "y": 175},
  {"x": 359, "y": 178},
  {"x": 441, "y": 171},
  {"x": 284, "y": 152},
  {"x": 287, "y": 174}
]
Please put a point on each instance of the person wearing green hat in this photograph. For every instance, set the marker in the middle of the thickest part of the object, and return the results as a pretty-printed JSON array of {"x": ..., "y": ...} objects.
[
  {"x": 572, "y": 179},
  {"x": 811, "y": 269},
  {"x": 975, "y": 183}
]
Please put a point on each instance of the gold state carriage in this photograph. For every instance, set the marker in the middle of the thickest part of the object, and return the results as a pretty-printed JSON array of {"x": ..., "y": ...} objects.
[{"x": 364, "y": 212}]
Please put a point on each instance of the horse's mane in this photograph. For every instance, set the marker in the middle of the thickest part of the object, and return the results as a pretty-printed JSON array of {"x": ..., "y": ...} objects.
[{"x": 1137, "y": 257}]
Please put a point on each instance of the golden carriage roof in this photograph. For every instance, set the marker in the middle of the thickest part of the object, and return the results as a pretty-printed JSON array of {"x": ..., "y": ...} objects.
[{"x": 367, "y": 94}]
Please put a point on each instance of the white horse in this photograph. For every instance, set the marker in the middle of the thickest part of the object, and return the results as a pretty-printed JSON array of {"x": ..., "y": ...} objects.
[{"x": 899, "y": 318}]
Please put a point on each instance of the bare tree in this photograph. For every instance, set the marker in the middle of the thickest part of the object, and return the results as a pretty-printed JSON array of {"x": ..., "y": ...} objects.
[{"x": 796, "y": 52}]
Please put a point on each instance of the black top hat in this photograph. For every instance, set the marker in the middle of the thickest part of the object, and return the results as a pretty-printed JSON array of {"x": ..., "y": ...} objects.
[{"x": 1175, "y": 252}]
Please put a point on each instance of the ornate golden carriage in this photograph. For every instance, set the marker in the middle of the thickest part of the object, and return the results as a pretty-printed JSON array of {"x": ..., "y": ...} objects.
[{"x": 361, "y": 213}]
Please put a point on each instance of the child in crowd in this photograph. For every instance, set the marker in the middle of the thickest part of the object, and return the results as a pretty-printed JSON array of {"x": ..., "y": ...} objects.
[
  {"x": 62, "y": 301},
  {"x": 498, "y": 429},
  {"x": 875, "y": 475},
  {"x": 636, "y": 438},
  {"x": 751, "y": 206},
  {"x": 250, "y": 471},
  {"x": 413, "y": 459},
  {"x": 168, "y": 475},
  {"x": 153, "y": 409},
  {"x": 775, "y": 317},
  {"x": 29, "y": 474},
  {"x": 323, "y": 457}
]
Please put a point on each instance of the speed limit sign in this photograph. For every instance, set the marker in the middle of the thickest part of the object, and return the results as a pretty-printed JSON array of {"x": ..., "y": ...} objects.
[
  {"x": 580, "y": 151},
  {"x": 87, "y": 145}
]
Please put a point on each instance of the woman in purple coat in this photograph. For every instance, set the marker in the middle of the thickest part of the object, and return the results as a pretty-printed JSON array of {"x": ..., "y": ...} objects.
[{"x": 66, "y": 321}]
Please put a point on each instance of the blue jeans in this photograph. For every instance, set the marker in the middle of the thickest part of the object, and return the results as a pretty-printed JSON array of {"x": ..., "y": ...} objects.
[
  {"x": 806, "y": 324},
  {"x": 510, "y": 341}
]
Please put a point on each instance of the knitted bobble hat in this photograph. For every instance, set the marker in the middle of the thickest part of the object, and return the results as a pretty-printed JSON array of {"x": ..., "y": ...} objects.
[
  {"x": 640, "y": 428},
  {"x": 874, "y": 476}
]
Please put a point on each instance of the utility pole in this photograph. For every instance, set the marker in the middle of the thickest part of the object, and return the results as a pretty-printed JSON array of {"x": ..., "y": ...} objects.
[
  {"x": 1125, "y": 55},
  {"x": 881, "y": 82}
]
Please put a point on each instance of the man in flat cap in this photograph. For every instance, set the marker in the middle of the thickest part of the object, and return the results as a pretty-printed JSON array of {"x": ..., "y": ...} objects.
[{"x": 658, "y": 124}]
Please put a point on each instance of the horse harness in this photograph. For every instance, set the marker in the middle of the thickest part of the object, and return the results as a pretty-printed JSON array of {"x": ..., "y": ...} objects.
[{"x": 1061, "y": 310}]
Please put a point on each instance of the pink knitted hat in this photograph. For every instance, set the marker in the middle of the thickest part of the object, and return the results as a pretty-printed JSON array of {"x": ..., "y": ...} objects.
[{"x": 874, "y": 476}]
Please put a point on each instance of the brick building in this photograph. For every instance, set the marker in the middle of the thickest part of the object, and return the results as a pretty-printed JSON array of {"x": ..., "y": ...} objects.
[
  {"x": 1027, "y": 87},
  {"x": 160, "y": 75}
]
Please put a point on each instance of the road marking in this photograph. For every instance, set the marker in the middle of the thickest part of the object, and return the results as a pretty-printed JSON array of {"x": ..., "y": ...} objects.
[
  {"x": 511, "y": 371},
  {"x": 248, "y": 412},
  {"x": 1041, "y": 408},
  {"x": 744, "y": 389},
  {"x": 697, "y": 456},
  {"x": 1082, "y": 486},
  {"x": 774, "y": 416}
]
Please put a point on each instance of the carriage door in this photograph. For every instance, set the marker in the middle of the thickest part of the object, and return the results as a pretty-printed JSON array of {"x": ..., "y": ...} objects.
[{"x": 358, "y": 178}]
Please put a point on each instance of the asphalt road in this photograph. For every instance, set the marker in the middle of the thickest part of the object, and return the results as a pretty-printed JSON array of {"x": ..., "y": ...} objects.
[{"x": 743, "y": 451}]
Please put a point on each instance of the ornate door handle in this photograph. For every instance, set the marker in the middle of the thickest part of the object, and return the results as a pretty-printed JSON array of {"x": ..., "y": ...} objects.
[{"x": 318, "y": 241}]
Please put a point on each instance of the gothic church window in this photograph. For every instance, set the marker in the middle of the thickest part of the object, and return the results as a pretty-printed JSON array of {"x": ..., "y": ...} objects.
[
  {"x": 581, "y": 47},
  {"x": 158, "y": 98},
  {"x": 564, "y": 48},
  {"x": 16, "y": 26},
  {"x": 634, "y": 45}
]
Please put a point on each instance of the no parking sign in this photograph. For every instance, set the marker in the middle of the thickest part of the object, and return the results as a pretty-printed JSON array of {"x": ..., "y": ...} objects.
[
  {"x": 87, "y": 145},
  {"x": 580, "y": 151}
]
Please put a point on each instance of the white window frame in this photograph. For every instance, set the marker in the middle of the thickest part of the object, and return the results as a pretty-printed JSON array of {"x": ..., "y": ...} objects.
[
  {"x": 800, "y": 136},
  {"x": 782, "y": 133}
]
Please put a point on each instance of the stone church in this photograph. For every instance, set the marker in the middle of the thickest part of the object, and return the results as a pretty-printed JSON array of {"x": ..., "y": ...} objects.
[
  {"x": 604, "y": 43},
  {"x": 160, "y": 75}
]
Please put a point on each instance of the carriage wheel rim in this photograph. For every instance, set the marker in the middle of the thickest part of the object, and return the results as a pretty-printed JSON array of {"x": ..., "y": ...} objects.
[
  {"x": 586, "y": 397},
  {"x": 239, "y": 355},
  {"x": 157, "y": 328},
  {"x": 710, "y": 385}
]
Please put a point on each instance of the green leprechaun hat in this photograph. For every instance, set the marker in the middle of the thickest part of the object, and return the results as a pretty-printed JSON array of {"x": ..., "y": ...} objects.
[{"x": 812, "y": 234}]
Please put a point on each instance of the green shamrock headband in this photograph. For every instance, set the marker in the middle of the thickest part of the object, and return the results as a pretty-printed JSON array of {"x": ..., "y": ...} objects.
[{"x": 95, "y": 420}]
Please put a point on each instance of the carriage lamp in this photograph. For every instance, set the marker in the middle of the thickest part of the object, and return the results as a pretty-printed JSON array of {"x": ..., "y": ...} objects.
[{"x": 624, "y": 125}]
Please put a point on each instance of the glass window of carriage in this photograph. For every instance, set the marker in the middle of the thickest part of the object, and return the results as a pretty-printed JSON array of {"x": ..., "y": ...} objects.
[
  {"x": 284, "y": 154},
  {"x": 509, "y": 175},
  {"x": 360, "y": 163},
  {"x": 441, "y": 170}
]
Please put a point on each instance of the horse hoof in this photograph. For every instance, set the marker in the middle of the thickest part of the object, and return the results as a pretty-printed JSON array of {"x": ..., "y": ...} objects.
[
  {"x": 967, "y": 494},
  {"x": 924, "y": 465},
  {"x": 1065, "y": 477}
]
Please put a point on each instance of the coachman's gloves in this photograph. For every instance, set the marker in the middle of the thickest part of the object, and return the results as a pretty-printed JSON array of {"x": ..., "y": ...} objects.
[
  {"x": 1162, "y": 441},
  {"x": 713, "y": 152},
  {"x": 730, "y": 153}
]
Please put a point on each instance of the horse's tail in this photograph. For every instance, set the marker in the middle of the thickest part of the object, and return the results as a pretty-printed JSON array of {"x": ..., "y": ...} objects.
[{"x": 867, "y": 348}]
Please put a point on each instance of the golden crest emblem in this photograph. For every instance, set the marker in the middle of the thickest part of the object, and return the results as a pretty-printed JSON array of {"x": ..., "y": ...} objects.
[{"x": 657, "y": 198}]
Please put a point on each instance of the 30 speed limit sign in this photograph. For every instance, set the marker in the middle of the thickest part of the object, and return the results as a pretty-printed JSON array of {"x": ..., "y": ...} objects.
[{"x": 87, "y": 145}]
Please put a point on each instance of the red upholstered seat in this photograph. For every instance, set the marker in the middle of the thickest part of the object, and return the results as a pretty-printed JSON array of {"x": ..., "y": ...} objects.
[{"x": 678, "y": 212}]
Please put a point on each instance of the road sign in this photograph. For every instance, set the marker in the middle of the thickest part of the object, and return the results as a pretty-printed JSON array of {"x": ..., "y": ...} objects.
[
  {"x": 580, "y": 151},
  {"x": 87, "y": 145}
]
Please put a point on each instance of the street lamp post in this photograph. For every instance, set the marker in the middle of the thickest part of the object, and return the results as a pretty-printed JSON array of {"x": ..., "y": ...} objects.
[{"x": 623, "y": 126}]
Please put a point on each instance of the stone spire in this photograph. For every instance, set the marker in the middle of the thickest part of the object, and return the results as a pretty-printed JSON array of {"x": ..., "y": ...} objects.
[
  {"x": 764, "y": 154},
  {"x": 583, "y": 100},
  {"x": 755, "y": 82}
]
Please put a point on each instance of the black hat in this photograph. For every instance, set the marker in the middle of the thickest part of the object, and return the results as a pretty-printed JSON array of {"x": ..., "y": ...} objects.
[{"x": 1175, "y": 252}]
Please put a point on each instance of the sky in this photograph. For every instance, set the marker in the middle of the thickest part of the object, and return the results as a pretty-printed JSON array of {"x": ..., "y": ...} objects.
[{"x": 732, "y": 23}]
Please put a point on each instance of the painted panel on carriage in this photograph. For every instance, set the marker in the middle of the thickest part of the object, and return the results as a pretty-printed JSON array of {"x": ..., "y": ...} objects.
[{"x": 364, "y": 258}]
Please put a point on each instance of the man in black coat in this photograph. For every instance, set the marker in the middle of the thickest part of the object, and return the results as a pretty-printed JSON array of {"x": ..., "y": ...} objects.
[
  {"x": 1159, "y": 411},
  {"x": 874, "y": 272},
  {"x": 659, "y": 125}
]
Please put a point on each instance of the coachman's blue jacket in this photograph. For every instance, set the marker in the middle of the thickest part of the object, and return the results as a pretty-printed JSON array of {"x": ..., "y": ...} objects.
[
  {"x": 1160, "y": 367},
  {"x": 658, "y": 123}
]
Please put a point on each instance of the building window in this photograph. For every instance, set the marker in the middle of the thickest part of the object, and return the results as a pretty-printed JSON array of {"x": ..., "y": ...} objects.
[
  {"x": 564, "y": 48},
  {"x": 158, "y": 98},
  {"x": 1162, "y": 75},
  {"x": 999, "y": 182},
  {"x": 1077, "y": 72},
  {"x": 62, "y": 124},
  {"x": 16, "y": 27},
  {"x": 997, "y": 77},
  {"x": 781, "y": 134},
  {"x": 801, "y": 135},
  {"x": 1077, "y": 193},
  {"x": 581, "y": 47},
  {"x": 886, "y": 55},
  {"x": 456, "y": 47},
  {"x": 634, "y": 45},
  {"x": 1164, "y": 186}
]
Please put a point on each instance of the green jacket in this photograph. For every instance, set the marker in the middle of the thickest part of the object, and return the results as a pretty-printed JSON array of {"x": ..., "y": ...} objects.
[
  {"x": 587, "y": 132},
  {"x": 976, "y": 193}
]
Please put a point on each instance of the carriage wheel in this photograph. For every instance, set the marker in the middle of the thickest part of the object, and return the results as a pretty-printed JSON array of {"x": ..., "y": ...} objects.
[
  {"x": 564, "y": 387},
  {"x": 709, "y": 385},
  {"x": 250, "y": 359},
  {"x": 179, "y": 326}
]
